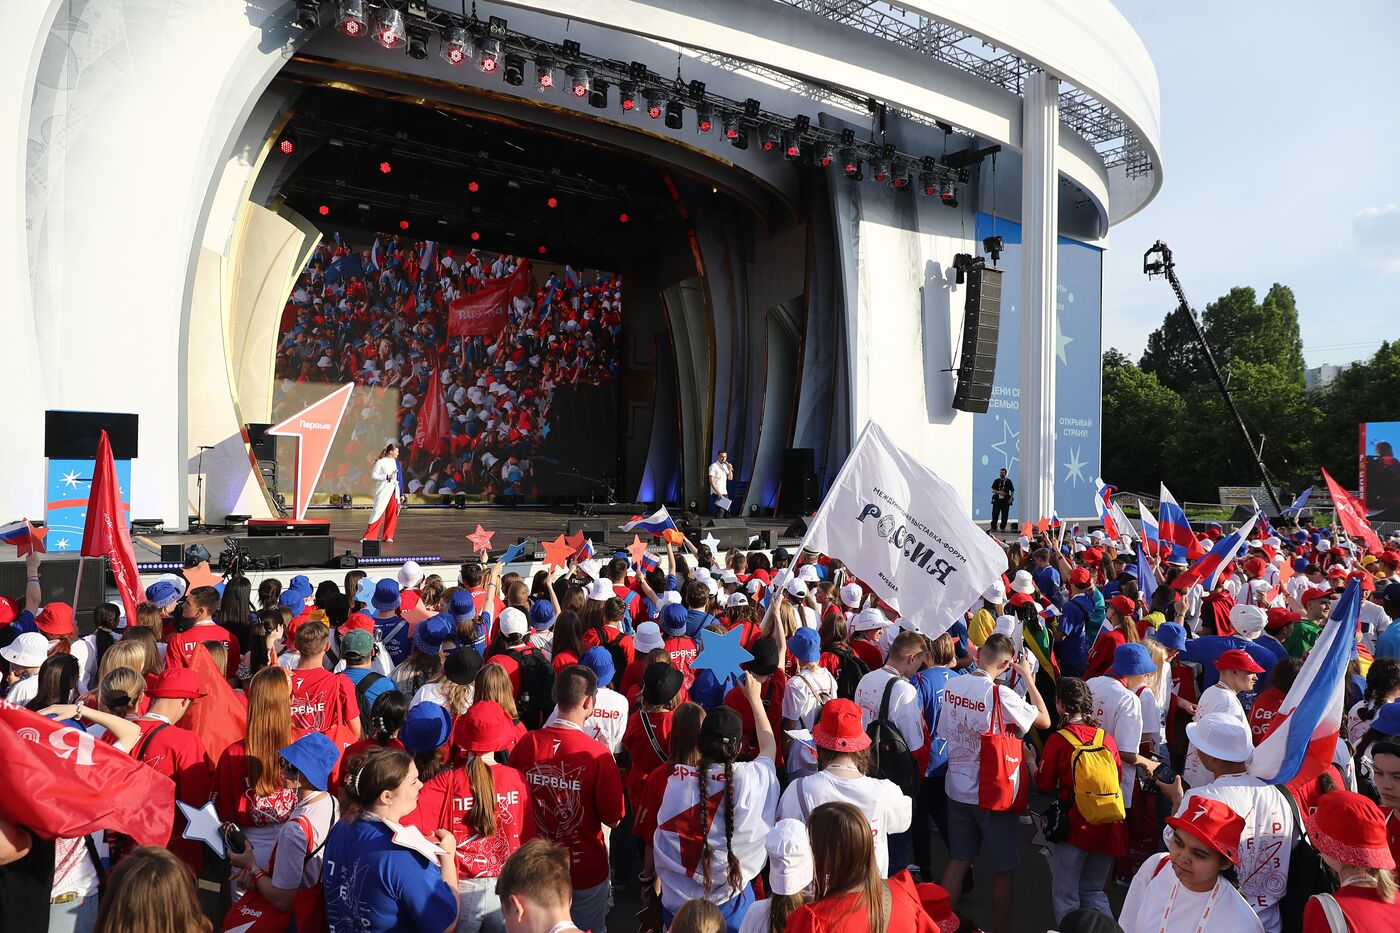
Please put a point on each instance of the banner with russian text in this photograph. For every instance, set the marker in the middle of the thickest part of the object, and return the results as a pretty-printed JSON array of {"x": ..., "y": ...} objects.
[
  {"x": 906, "y": 534},
  {"x": 484, "y": 313}
]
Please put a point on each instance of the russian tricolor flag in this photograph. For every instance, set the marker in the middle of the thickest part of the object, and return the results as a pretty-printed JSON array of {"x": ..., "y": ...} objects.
[
  {"x": 653, "y": 524},
  {"x": 1174, "y": 534},
  {"x": 1149, "y": 530},
  {"x": 1102, "y": 492},
  {"x": 1306, "y": 726},
  {"x": 649, "y": 563},
  {"x": 1206, "y": 571},
  {"x": 15, "y": 532}
]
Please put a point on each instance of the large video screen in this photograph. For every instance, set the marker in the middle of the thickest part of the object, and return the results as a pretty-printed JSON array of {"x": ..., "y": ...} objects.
[
  {"x": 496, "y": 374},
  {"x": 1380, "y": 470}
]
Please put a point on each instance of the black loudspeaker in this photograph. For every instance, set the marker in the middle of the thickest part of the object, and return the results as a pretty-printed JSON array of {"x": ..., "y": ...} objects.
[
  {"x": 800, "y": 492},
  {"x": 762, "y": 541},
  {"x": 731, "y": 532},
  {"x": 981, "y": 323},
  {"x": 310, "y": 551},
  {"x": 594, "y": 529},
  {"x": 369, "y": 548},
  {"x": 73, "y": 435},
  {"x": 346, "y": 561},
  {"x": 797, "y": 529},
  {"x": 264, "y": 445},
  {"x": 172, "y": 553},
  {"x": 58, "y": 576}
]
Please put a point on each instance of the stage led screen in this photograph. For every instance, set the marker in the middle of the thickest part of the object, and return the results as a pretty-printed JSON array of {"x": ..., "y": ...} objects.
[
  {"x": 1380, "y": 470},
  {"x": 496, "y": 374},
  {"x": 996, "y": 435}
]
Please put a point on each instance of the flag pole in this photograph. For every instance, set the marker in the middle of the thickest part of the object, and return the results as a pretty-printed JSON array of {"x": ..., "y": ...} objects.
[{"x": 78, "y": 584}]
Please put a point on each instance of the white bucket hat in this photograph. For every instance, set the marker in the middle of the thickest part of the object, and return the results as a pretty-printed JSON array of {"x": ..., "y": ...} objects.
[{"x": 28, "y": 650}]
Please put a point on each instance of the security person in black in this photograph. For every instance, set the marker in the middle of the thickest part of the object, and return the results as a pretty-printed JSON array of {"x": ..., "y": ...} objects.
[{"x": 1003, "y": 492}]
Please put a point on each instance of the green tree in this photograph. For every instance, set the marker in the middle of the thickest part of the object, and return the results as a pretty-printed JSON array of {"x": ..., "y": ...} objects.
[
  {"x": 1368, "y": 390},
  {"x": 1138, "y": 416},
  {"x": 1173, "y": 352},
  {"x": 1258, "y": 332}
]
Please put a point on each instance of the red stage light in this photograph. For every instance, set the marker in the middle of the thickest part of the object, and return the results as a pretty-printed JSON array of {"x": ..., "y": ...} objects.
[
  {"x": 731, "y": 133},
  {"x": 403, "y": 225},
  {"x": 323, "y": 210},
  {"x": 552, "y": 202},
  {"x": 629, "y": 104},
  {"x": 850, "y": 168},
  {"x": 473, "y": 187},
  {"x": 455, "y": 54},
  {"x": 825, "y": 161},
  {"x": 654, "y": 111},
  {"x": 385, "y": 167},
  {"x": 286, "y": 145},
  {"x": 705, "y": 125},
  {"x": 489, "y": 63},
  {"x": 475, "y": 236},
  {"x": 622, "y": 218},
  {"x": 793, "y": 152},
  {"x": 543, "y": 250}
]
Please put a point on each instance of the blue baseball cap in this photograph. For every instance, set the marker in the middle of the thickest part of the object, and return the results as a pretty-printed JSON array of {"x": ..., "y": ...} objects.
[
  {"x": 674, "y": 619},
  {"x": 462, "y": 606},
  {"x": 1131, "y": 659},
  {"x": 599, "y": 660},
  {"x": 427, "y": 726},
  {"x": 805, "y": 644},
  {"x": 386, "y": 595},
  {"x": 431, "y": 633},
  {"x": 541, "y": 615},
  {"x": 315, "y": 756},
  {"x": 1301, "y": 565},
  {"x": 1387, "y": 721},
  {"x": 1170, "y": 635}
]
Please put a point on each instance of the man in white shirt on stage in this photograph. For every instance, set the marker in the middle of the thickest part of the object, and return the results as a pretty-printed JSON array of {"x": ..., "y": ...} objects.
[{"x": 720, "y": 473}]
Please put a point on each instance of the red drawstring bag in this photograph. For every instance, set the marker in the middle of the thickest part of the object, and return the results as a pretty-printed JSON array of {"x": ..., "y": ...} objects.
[
  {"x": 255, "y": 914},
  {"x": 999, "y": 771}
]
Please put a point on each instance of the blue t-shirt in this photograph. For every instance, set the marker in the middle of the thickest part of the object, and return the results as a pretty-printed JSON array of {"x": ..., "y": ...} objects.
[
  {"x": 380, "y": 686},
  {"x": 1072, "y": 650},
  {"x": 373, "y": 884},
  {"x": 1047, "y": 580},
  {"x": 1388, "y": 645},
  {"x": 930, "y": 683},
  {"x": 399, "y": 643},
  {"x": 1204, "y": 651},
  {"x": 697, "y": 620}
]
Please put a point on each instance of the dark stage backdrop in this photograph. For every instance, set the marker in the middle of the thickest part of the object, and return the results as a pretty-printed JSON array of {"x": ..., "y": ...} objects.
[{"x": 496, "y": 380}]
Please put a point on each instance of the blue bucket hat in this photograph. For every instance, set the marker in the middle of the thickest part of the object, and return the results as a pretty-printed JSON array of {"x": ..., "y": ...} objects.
[
  {"x": 1387, "y": 721},
  {"x": 1171, "y": 636},
  {"x": 541, "y": 615},
  {"x": 386, "y": 595},
  {"x": 674, "y": 619},
  {"x": 462, "y": 606},
  {"x": 315, "y": 756},
  {"x": 431, "y": 633},
  {"x": 302, "y": 584},
  {"x": 427, "y": 726},
  {"x": 1131, "y": 659},
  {"x": 294, "y": 600},
  {"x": 365, "y": 591},
  {"x": 805, "y": 644},
  {"x": 163, "y": 593},
  {"x": 599, "y": 660}
]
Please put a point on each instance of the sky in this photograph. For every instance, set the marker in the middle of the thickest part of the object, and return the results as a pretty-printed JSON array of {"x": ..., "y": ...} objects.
[{"x": 1281, "y": 159}]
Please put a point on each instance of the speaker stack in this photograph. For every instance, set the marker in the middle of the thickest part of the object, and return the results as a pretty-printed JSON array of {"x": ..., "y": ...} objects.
[
  {"x": 800, "y": 492},
  {"x": 59, "y": 575},
  {"x": 981, "y": 323}
]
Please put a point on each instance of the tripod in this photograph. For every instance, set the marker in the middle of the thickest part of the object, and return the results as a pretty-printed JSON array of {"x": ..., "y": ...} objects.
[{"x": 199, "y": 525}]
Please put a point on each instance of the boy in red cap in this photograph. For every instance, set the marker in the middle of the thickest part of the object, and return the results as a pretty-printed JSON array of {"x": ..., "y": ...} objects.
[
  {"x": 1238, "y": 674},
  {"x": 175, "y": 751}
]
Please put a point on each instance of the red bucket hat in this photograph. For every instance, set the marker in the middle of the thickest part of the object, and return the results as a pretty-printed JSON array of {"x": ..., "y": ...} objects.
[
  {"x": 1212, "y": 822},
  {"x": 482, "y": 729},
  {"x": 178, "y": 683},
  {"x": 56, "y": 620},
  {"x": 1351, "y": 829},
  {"x": 839, "y": 729}
]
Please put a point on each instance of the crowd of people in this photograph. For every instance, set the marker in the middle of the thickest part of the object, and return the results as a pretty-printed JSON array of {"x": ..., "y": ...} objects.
[
  {"x": 377, "y": 317},
  {"x": 490, "y": 751}
]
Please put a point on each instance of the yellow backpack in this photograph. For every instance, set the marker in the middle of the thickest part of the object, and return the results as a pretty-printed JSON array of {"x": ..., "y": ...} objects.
[{"x": 1097, "y": 794}]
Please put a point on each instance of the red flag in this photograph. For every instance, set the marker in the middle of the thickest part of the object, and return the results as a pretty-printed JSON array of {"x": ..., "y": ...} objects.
[
  {"x": 431, "y": 435},
  {"x": 485, "y": 312},
  {"x": 106, "y": 534},
  {"x": 1351, "y": 514},
  {"x": 63, "y": 783},
  {"x": 219, "y": 718}
]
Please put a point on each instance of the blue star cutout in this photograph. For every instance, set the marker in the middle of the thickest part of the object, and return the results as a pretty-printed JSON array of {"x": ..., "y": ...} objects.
[
  {"x": 513, "y": 552},
  {"x": 723, "y": 655}
]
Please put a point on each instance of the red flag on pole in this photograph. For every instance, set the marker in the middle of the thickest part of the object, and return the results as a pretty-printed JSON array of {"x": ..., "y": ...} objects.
[
  {"x": 106, "y": 534},
  {"x": 220, "y": 717},
  {"x": 485, "y": 312},
  {"x": 1351, "y": 514},
  {"x": 63, "y": 783},
  {"x": 431, "y": 435}
]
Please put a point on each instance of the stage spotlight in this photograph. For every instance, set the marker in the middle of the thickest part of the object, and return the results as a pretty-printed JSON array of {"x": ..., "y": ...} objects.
[
  {"x": 418, "y": 43},
  {"x": 457, "y": 46},
  {"x": 403, "y": 225},
  {"x": 515, "y": 70},
  {"x": 389, "y": 29},
  {"x": 675, "y": 114},
  {"x": 488, "y": 57},
  {"x": 653, "y": 104},
  {"x": 622, "y": 218},
  {"x": 350, "y": 19},
  {"x": 768, "y": 134},
  {"x": 385, "y": 168},
  {"x": 551, "y": 202},
  {"x": 899, "y": 172},
  {"x": 544, "y": 74},
  {"x": 704, "y": 118},
  {"x": 741, "y": 138},
  {"x": 948, "y": 193},
  {"x": 543, "y": 249},
  {"x": 880, "y": 169},
  {"x": 598, "y": 94},
  {"x": 579, "y": 80},
  {"x": 308, "y": 14},
  {"x": 826, "y": 154},
  {"x": 731, "y": 126},
  {"x": 627, "y": 96},
  {"x": 473, "y": 187},
  {"x": 850, "y": 162},
  {"x": 475, "y": 236},
  {"x": 287, "y": 143},
  {"x": 792, "y": 145},
  {"x": 927, "y": 184},
  {"x": 323, "y": 210}
]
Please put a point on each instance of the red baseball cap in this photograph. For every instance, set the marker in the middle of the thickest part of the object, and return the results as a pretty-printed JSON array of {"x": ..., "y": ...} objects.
[
  {"x": 1021, "y": 599},
  {"x": 1337, "y": 572},
  {"x": 839, "y": 729},
  {"x": 1124, "y": 606},
  {"x": 1237, "y": 659},
  {"x": 9, "y": 610},
  {"x": 56, "y": 620},
  {"x": 1315, "y": 593},
  {"x": 1080, "y": 576},
  {"x": 178, "y": 683},
  {"x": 1279, "y": 617},
  {"x": 1212, "y": 822}
]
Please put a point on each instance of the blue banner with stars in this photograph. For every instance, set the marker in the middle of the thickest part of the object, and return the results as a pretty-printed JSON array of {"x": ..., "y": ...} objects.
[
  {"x": 1078, "y": 379},
  {"x": 65, "y": 512}
]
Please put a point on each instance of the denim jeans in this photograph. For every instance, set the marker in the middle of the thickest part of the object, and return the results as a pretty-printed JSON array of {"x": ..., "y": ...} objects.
[
  {"x": 78, "y": 916},
  {"x": 591, "y": 906},
  {"x": 478, "y": 906},
  {"x": 1077, "y": 879}
]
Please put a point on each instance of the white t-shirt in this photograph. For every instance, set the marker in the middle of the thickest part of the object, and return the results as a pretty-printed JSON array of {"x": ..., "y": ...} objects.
[
  {"x": 963, "y": 716},
  {"x": 24, "y": 690},
  {"x": 1151, "y": 895},
  {"x": 73, "y": 869},
  {"x": 719, "y": 476},
  {"x": 431, "y": 692},
  {"x": 608, "y": 720},
  {"x": 1373, "y": 622},
  {"x": 85, "y": 650},
  {"x": 1266, "y": 843},
  {"x": 1217, "y": 698},
  {"x": 755, "y": 796},
  {"x": 882, "y": 802},
  {"x": 1151, "y": 716},
  {"x": 1119, "y": 711},
  {"x": 756, "y": 917},
  {"x": 293, "y": 870},
  {"x": 807, "y": 691},
  {"x": 904, "y": 711}
]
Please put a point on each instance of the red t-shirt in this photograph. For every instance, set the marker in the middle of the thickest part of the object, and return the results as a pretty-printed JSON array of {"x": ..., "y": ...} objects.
[
  {"x": 646, "y": 807},
  {"x": 614, "y": 636},
  {"x": 445, "y": 802},
  {"x": 575, "y": 788},
  {"x": 632, "y": 676},
  {"x": 1262, "y": 713},
  {"x": 845, "y": 914},
  {"x": 683, "y": 652},
  {"x": 1362, "y": 906},
  {"x": 1101, "y": 654},
  {"x": 1057, "y": 771},
  {"x": 1392, "y": 834},
  {"x": 322, "y": 700},
  {"x": 869, "y": 652},
  {"x": 179, "y": 755},
  {"x": 771, "y": 694},
  {"x": 184, "y": 643},
  {"x": 639, "y": 749}
]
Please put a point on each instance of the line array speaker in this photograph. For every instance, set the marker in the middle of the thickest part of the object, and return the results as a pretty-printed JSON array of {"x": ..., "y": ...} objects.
[
  {"x": 800, "y": 492},
  {"x": 981, "y": 324},
  {"x": 58, "y": 575}
]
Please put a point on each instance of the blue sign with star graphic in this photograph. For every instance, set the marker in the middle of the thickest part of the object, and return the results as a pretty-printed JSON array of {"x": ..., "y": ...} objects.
[
  {"x": 722, "y": 654},
  {"x": 996, "y": 442},
  {"x": 65, "y": 511}
]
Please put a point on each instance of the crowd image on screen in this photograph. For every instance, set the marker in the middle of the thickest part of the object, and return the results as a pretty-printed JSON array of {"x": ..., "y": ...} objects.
[{"x": 376, "y": 315}]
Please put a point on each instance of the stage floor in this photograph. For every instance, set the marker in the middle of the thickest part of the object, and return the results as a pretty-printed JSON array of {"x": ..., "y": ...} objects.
[{"x": 441, "y": 532}]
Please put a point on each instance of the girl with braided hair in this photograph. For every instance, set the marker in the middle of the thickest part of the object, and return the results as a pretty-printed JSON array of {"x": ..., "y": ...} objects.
[{"x": 714, "y": 816}]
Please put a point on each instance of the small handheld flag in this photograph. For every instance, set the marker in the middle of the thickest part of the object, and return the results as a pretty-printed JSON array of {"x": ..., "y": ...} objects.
[{"x": 653, "y": 524}]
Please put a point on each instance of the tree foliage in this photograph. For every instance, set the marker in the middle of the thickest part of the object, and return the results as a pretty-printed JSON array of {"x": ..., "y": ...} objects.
[
  {"x": 1368, "y": 390},
  {"x": 1136, "y": 410}
]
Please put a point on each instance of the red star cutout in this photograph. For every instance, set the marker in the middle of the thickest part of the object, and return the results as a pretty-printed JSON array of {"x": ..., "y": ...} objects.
[
  {"x": 576, "y": 541},
  {"x": 637, "y": 550},
  {"x": 1041, "y": 525},
  {"x": 686, "y": 825},
  {"x": 481, "y": 538},
  {"x": 35, "y": 543},
  {"x": 557, "y": 553},
  {"x": 201, "y": 576}
]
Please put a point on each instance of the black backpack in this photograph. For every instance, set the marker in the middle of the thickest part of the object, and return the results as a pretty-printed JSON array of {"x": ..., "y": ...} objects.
[
  {"x": 536, "y": 698},
  {"x": 1307, "y": 873},
  {"x": 848, "y": 672},
  {"x": 619, "y": 656},
  {"x": 890, "y": 757},
  {"x": 362, "y": 697}
]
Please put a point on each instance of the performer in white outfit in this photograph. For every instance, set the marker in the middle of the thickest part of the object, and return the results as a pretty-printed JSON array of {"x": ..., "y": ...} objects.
[{"x": 387, "y": 495}]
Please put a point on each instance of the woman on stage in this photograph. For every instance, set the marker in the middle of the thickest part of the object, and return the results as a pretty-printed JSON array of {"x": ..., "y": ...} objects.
[{"x": 387, "y": 495}]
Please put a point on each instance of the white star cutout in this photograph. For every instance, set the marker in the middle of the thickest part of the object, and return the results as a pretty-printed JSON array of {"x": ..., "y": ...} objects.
[
  {"x": 711, "y": 542},
  {"x": 61, "y": 544},
  {"x": 70, "y": 479},
  {"x": 1004, "y": 447},
  {"x": 1074, "y": 470},
  {"x": 1061, "y": 341}
]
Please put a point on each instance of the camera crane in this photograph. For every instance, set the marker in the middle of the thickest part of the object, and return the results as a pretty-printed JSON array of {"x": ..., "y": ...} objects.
[{"x": 1162, "y": 265}]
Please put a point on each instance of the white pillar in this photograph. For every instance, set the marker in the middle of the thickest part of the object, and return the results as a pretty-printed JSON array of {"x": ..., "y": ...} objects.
[{"x": 1040, "y": 220}]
